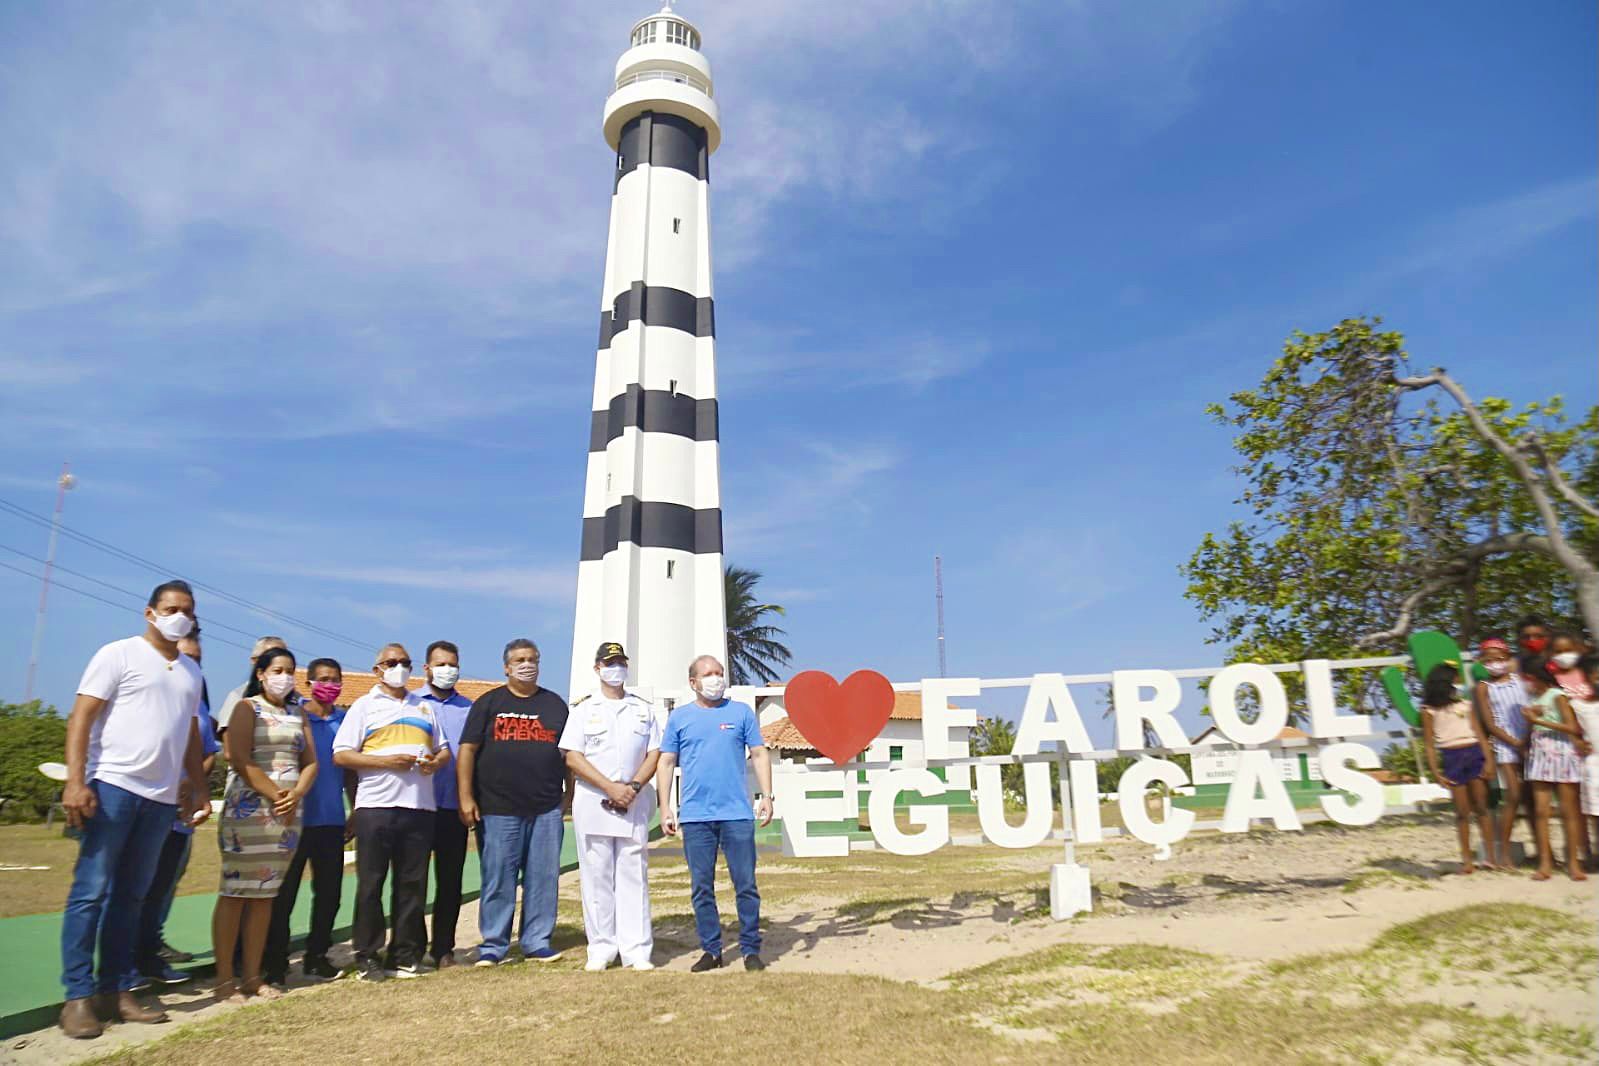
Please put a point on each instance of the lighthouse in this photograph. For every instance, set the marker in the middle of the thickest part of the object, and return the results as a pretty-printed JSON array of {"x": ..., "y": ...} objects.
[{"x": 650, "y": 569}]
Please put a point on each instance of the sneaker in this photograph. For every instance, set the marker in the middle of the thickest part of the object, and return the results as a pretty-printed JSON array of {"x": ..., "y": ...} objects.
[
  {"x": 644, "y": 965},
  {"x": 165, "y": 974},
  {"x": 707, "y": 962},
  {"x": 598, "y": 964},
  {"x": 485, "y": 962},
  {"x": 754, "y": 962},
  {"x": 371, "y": 970},
  {"x": 141, "y": 982},
  {"x": 318, "y": 966},
  {"x": 406, "y": 970},
  {"x": 168, "y": 953},
  {"x": 276, "y": 980},
  {"x": 543, "y": 955}
]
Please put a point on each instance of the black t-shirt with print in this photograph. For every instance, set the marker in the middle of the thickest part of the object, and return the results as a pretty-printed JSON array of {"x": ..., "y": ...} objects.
[{"x": 520, "y": 769}]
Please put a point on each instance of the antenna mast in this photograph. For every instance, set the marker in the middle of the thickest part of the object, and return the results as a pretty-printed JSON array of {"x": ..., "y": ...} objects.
[
  {"x": 938, "y": 595},
  {"x": 63, "y": 483}
]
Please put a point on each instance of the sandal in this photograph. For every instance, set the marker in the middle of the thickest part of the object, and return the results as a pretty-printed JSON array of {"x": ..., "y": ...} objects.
[
  {"x": 266, "y": 991},
  {"x": 227, "y": 992}
]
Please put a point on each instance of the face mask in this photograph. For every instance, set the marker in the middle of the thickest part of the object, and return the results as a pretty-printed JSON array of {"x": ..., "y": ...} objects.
[
  {"x": 614, "y": 674},
  {"x": 326, "y": 692},
  {"x": 444, "y": 677},
  {"x": 1499, "y": 668},
  {"x": 1566, "y": 659},
  {"x": 174, "y": 626},
  {"x": 525, "y": 672},
  {"x": 712, "y": 686},
  {"x": 396, "y": 676},
  {"x": 278, "y": 685},
  {"x": 1535, "y": 644}
]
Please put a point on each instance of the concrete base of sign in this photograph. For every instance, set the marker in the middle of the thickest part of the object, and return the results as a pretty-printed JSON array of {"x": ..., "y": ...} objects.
[{"x": 1070, "y": 893}]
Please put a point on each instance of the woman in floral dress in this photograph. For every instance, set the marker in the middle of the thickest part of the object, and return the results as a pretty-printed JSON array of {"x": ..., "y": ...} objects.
[{"x": 268, "y": 746}]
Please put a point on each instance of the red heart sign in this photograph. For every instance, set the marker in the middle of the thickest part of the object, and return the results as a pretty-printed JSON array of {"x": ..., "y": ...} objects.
[{"x": 839, "y": 720}]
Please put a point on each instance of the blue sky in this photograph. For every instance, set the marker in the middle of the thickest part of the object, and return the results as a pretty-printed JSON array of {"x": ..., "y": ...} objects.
[{"x": 308, "y": 292}]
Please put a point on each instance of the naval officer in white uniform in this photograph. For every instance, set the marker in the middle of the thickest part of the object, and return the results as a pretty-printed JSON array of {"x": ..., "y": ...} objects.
[{"x": 612, "y": 742}]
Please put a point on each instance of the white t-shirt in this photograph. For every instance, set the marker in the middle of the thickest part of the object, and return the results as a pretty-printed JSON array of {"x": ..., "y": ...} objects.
[
  {"x": 379, "y": 724},
  {"x": 614, "y": 735},
  {"x": 139, "y": 740}
]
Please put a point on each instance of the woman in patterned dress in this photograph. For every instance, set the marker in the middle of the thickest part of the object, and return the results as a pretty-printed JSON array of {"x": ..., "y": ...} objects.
[
  {"x": 268, "y": 745},
  {"x": 1553, "y": 765},
  {"x": 1499, "y": 701}
]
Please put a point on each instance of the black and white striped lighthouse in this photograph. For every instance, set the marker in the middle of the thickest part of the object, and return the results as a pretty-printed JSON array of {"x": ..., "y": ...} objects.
[{"x": 650, "y": 574}]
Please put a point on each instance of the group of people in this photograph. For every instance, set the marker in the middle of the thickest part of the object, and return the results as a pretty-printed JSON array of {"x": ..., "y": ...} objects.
[
  {"x": 408, "y": 775},
  {"x": 1531, "y": 727}
]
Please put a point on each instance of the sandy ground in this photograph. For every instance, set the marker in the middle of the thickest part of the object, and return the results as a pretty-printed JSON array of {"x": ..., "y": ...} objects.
[{"x": 1254, "y": 897}]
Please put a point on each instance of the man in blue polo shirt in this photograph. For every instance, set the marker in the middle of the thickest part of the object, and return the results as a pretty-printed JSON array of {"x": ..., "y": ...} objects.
[
  {"x": 450, "y": 709},
  {"x": 710, "y": 738},
  {"x": 323, "y": 834}
]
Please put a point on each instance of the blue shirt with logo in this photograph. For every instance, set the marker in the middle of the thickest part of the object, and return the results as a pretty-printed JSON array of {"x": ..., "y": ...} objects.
[
  {"x": 451, "y": 714},
  {"x": 711, "y": 746},
  {"x": 325, "y": 804}
]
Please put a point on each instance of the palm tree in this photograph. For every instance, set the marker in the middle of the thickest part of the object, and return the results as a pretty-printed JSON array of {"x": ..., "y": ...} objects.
[{"x": 754, "y": 650}]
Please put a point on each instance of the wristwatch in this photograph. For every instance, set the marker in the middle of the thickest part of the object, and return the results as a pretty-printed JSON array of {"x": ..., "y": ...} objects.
[
  {"x": 636, "y": 786},
  {"x": 762, "y": 796}
]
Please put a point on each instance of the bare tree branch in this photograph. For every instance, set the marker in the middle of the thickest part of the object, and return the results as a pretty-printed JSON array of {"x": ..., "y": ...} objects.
[
  {"x": 1533, "y": 443},
  {"x": 1451, "y": 573},
  {"x": 1574, "y": 561}
]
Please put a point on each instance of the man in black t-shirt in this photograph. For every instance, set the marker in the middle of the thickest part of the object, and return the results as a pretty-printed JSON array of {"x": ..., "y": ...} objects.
[{"x": 513, "y": 779}]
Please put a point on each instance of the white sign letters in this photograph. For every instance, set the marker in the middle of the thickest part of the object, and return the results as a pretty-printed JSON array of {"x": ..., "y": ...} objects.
[{"x": 1145, "y": 703}]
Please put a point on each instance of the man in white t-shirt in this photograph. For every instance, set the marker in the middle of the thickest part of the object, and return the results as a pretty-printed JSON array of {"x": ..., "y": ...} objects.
[
  {"x": 131, "y": 737},
  {"x": 612, "y": 743},
  {"x": 392, "y": 740}
]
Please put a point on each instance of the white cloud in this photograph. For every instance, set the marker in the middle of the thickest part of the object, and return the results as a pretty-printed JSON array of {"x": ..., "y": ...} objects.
[{"x": 818, "y": 486}]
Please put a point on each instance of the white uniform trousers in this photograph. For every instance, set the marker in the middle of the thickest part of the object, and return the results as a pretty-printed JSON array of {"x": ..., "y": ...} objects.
[{"x": 614, "y": 874}]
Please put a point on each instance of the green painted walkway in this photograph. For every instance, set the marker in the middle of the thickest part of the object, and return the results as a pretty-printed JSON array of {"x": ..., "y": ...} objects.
[{"x": 30, "y": 984}]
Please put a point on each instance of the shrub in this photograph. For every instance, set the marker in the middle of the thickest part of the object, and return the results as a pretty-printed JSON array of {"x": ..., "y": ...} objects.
[{"x": 30, "y": 733}]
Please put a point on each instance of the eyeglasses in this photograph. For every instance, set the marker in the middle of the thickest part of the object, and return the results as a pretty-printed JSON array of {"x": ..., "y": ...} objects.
[{"x": 389, "y": 664}]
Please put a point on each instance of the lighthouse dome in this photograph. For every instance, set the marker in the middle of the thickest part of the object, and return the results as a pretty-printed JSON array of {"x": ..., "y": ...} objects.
[{"x": 663, "y": 71}]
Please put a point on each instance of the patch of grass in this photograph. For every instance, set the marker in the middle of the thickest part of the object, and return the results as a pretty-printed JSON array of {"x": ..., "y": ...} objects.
[
  {"x": 45, "y": 891},
  {"x": 1382, "y": 879}
]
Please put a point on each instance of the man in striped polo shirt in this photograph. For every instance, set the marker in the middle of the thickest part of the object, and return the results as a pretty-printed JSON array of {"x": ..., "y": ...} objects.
[{"x": 392, "y": 740}]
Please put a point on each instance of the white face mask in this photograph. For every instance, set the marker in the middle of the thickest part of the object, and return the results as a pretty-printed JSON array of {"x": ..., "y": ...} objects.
[
  {"x": 614, "y": 674},
  {"x": 444, "y": 677},
  {"x": 525, "y": 672},
  {"x": 1566, "y": 659},
  {"x": 1498, "y": 668},
  {"x": 278, "y": 685},
  {"x": 396, "y": 676},
  {"x": 712, "y": 686},
  {"x": 174, "y": 626}
]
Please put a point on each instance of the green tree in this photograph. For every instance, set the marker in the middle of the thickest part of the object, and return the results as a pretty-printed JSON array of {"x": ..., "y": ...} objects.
[
  {"x": 997, "y": 736},
  {"x": 30, "y": 733},
  {"x": 1381, "y": 502},
  {"x": 755, "y": 651}
]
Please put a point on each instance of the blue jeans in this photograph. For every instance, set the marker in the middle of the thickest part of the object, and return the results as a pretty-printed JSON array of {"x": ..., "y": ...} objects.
[
  {"x": 117, "y": 856},
  {"x": 737, "y": 841},
  {"x": 531, "y": 848}
]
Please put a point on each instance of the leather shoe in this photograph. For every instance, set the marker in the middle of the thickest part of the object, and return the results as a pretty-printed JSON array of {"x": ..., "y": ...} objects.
[
  {"x": 444, "y": 962},
  {"x": 78, "y": 1019},
  {"x": 127, "y": 1007}
]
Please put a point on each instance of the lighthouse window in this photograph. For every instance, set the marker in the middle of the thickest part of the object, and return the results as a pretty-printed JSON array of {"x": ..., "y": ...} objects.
[
  {"x": 645, "y": 34},
  {"x": 677, "y": 225},
  {"x": 677, "y": 33},
  {"x": 671, "y": 564}
]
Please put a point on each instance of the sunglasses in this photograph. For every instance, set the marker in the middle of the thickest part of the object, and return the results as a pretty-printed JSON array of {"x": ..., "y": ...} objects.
[{"x": 389, "y": 664}]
